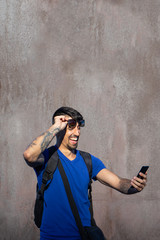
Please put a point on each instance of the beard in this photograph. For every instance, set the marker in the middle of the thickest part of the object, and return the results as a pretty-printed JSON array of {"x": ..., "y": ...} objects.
[{"x": 72, "y": 147}]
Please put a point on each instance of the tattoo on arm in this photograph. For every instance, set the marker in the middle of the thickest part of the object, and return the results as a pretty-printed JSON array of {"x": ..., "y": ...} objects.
[
  {"x": 33, "y": 143},
  {"x": 126, "y": 187},
  {"x": 48, "y": 138},
  {"x": 125, "y": 184}
]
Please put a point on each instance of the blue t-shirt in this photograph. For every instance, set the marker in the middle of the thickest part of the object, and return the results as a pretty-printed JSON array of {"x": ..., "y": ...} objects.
[{"x": 58, "y": 222}]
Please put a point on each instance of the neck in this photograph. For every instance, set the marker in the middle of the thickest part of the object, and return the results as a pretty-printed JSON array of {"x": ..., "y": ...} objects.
[{"x": 69, "y": 153}]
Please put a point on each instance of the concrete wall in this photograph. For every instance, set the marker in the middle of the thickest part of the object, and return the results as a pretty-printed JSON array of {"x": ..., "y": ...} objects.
[{"x": 101, "y": 57}]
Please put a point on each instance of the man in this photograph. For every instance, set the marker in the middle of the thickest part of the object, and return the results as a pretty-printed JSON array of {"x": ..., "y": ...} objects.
[{"x": 58, "y": 221}]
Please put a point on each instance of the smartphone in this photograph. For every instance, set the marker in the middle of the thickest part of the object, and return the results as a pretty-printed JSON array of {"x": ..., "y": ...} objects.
[{"x": 143, "y": 170}]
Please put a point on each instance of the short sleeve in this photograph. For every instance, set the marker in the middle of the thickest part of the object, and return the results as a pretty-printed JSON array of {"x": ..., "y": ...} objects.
[
  {"x": 97, "y": 166},
  {"x": 40, "y": 169}
]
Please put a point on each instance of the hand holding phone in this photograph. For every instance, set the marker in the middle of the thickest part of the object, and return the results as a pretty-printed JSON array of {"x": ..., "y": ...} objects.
[{"x": 142, "y": 170}]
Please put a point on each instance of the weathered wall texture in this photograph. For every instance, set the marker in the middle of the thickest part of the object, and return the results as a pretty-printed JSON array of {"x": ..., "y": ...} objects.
[{"x": 101, "y": 57}]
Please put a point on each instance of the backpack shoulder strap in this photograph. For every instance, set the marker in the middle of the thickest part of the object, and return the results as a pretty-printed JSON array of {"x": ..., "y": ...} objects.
[
  {"x": 88, "y": 161},
  {"x": 71, "y": 200},
  {"x": 50, "y": 168}
]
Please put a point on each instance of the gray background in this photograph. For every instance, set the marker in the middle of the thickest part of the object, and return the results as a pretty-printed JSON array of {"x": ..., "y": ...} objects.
[{"x": 101, "y": 57}]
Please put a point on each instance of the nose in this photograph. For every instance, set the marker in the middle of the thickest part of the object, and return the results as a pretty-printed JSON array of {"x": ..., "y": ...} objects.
[{"x": 77, "y": 130}]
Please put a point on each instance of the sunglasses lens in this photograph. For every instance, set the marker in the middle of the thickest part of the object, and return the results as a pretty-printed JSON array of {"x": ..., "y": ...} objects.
[
  {"x": 82, "y": 123},
  {"x": 71, "y": 123}
]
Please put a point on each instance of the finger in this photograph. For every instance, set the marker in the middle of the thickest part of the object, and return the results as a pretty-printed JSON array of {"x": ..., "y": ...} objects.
[
  {"x": 60, "y": 118},
  {"x": 137, "y": 179},
  {"x": 63, "y": 119},
  {"x": 139, "y": 183},
  {"x": 136, "y": 187},
  {"x": 144, "y": 176}
]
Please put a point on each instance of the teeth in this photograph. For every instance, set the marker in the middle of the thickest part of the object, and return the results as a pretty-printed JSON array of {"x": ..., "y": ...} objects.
[{"x": 74, "y": 138}]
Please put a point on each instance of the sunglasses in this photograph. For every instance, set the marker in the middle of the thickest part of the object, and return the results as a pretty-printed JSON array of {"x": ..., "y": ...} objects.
[{"x": 72, "y": 123}]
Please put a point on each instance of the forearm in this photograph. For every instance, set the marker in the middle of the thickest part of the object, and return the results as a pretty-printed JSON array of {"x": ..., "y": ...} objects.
[
  {"x": 122, "y": 185},
  {"x": 126, "y": 187},
  {"x": 40, "y": 144}
]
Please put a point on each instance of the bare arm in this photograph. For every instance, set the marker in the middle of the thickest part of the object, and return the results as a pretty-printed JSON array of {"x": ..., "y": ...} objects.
[
  {"x": 121, "y": 184},
  {"x": 32, "y": 154}
]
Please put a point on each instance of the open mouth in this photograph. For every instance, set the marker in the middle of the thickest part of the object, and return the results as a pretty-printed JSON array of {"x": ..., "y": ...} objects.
[{"x": 74, "y": 140}]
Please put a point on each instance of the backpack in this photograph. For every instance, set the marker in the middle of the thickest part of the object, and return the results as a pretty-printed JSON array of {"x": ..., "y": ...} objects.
[{"x": 48, "y": 175}]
